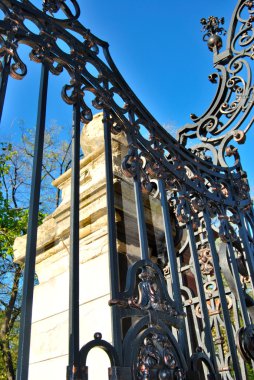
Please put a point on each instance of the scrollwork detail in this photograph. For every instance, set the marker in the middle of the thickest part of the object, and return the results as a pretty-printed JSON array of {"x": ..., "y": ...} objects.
[
  {"x": 54, "y": 6},
  {"x": 233, "y": 101},
  {"x": 131, "y": 163},
  {"x": 156, "y": 355},
  {"x": 149, "y": 295},
  {"x": 74, "y": 93},
  {"x": 205, "y": 261}
]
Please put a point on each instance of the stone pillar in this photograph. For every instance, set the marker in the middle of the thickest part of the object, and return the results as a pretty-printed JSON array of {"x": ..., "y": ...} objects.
[{"x": 49, "y": 341}]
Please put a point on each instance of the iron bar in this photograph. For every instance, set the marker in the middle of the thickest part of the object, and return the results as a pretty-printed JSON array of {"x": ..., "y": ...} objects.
[
  {"x": 249, "y": 254},
  {"x": 140, "y": 217},
  {"x": 164, "y": 156},
  {"x": 113, "y": 255},
  {"x": 250, "y": 225},
  {"x": 201, "y": 295},
  {"x": 28, "y": 284},
  {"x": 223, "y": 300},
  {"x": 217, "y": 328},
  {"x": 142, "y": 232},
  {"x": 191, "y": 306},
  {"x": 74, "y": 247},
  {"x": 4, "y": 81},
  {"x": 177, "y": 297},
  {"x": 239, "y": 289}
]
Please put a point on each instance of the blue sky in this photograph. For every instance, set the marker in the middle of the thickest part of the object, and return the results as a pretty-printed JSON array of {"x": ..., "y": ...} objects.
[{"x": 157, "y": 46}]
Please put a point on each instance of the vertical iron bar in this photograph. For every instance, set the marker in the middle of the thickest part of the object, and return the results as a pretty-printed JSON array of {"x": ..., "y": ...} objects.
[
  {"x": 140, "y": 217},
  {"x": 4, "y": 81},
  {"x": 173, "y": 264},
  {"x": 113, "y": 256},
  {"x": 250, "y": 222},
  {"x": 227, "y": 321},
  {"x": 28, "y": 284},
  {"x": 142, "y": 232},
  {"x": 238, "y": 284},
  {"x": 249, "y": 255},
  {"x": 74, "y": 247},
  {"x": 187, "y": 327},
  {"x": 201, "y": 295}
]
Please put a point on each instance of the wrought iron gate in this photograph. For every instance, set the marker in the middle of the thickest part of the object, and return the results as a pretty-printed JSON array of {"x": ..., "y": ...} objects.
[{"x": 189, "y": 313}]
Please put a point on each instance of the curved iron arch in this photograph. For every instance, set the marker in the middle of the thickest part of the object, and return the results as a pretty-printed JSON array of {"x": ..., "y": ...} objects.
[
  {"x": 107, "y": 87},
  {"x": 102, "y": 344}
]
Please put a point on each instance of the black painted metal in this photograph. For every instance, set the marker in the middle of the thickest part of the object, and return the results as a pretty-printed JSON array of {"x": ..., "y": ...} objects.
[
  {"x": 221, "y": 288},
  {"x": 171, "y": 252},
  {"x": 74, "y": 246},
  {"x": 201, "y": 295},
  {"x": 229, "y": 116},
  {"x": 26, "y": 311},
  {"x": 238, "y": 287},
  {"x": 141, "y": 217},
  {"x": 108, "y": 348},
  {"x": 113, "y": 259},
  {"x": 208, "y": 260},
  {"x": 248, "y": 248},
  {"x": 4, "y": 81}
]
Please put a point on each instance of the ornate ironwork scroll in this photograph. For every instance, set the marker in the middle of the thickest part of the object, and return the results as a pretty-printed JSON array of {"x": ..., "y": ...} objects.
[
  {"x": 229, "y": 117},
  {"x": 191, "y": 325},
  {"x": 156, "y": 358},
  {"x": 152, "y": 294}
]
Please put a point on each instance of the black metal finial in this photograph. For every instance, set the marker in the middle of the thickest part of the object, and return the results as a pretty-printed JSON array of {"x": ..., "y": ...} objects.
[{"x": 212, "y": 29}]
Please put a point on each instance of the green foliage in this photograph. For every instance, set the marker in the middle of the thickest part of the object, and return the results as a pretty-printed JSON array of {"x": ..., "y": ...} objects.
[
  {"x": 13, "y": 222},
  {"x": 250, "y": 372}
]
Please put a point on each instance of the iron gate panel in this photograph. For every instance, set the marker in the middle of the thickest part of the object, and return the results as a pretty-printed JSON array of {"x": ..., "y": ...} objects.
[{"x": 188, "y": 309}]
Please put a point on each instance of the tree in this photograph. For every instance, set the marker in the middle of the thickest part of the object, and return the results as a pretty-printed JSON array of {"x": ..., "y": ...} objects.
[
  {"x": 12, "y": 224},
  {"x": 56, "y": 161},
  {"x": 15, "y": 178}
]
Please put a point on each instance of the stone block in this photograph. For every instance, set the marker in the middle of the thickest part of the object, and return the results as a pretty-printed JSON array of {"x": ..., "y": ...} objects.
[
  {"x": 50, "y": 336},
  {"x": 52, "y": 296},
  {"x": 53, "y": 369}
]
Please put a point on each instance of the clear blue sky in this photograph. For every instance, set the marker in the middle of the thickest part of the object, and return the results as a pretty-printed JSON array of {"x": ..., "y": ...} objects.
[{"x": 157, "y": 46}]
